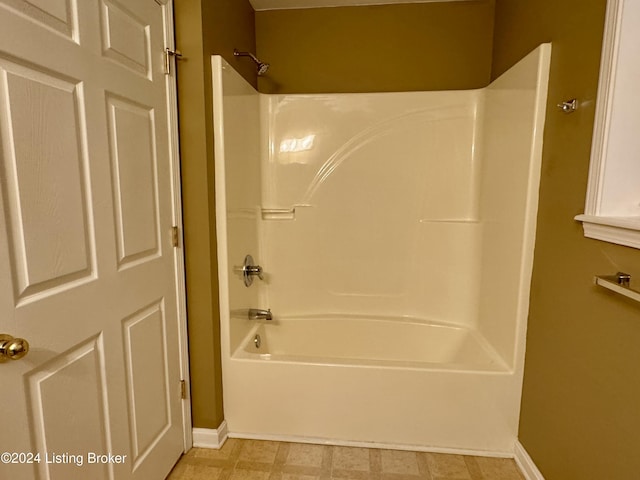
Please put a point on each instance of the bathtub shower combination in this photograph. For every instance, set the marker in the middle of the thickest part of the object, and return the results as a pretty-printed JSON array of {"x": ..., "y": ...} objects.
[{"x": 394, "y": 235}]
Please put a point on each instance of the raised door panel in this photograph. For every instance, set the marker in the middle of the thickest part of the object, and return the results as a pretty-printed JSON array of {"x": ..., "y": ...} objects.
[
  {"x": 44, "y": 165},
  {"x": 125, "y": 38},
  {"x": 134, "y": 180},
  {"x": 67, "y": 396},
  {"x": 57, "y": 15},
  {"x": 148, "y": 389}
]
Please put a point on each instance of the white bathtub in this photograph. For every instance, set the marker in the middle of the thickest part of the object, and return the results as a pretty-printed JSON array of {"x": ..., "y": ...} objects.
[
  {"x": 370, "y": 341},
  {"x": 392, "y": 383}
]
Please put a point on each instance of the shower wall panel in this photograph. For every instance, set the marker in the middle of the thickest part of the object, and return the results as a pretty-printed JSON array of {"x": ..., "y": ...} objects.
[
  {"x": 372, "y": 208},
  {"x": 238, "y": 118},
  {"x": 512, "y": 151},
  {"x": 385, "y": 193}
]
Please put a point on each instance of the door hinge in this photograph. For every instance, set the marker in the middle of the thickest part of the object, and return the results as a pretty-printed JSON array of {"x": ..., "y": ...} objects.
[
  {"x": 168, "y": 53},
  {"x": 175, "y": 239},
  {"x": 183, "y": 389}
]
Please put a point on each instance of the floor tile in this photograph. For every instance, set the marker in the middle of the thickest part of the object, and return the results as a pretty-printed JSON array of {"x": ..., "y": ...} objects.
[
  {"x": 305, "y": 455},
  {"x": 350, "y": 475},
  {"x": 293, "y": 476},
  {"x": 263, "y": 460},
  {"x": 350, "y": 458},
  {"x": 200, "y": 472},
  {"x": 242, "y": 474},
  {"x": 448, "y": 466},
  {"x": 230, "y": 449},
  {"x": 395, "y": 461},
  {"x": 499, "y": 468},
  {"x": 259, "y": 451}
]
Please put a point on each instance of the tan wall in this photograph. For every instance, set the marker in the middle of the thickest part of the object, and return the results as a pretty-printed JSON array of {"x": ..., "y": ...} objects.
[
  {"x": 426, "y": 46},
  {"x": 579, "y": 415},
  {"x": 204, "y": 28}
]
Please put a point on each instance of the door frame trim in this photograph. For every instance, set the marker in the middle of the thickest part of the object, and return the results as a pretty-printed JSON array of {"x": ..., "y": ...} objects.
[{"x": 174, "y": 147}]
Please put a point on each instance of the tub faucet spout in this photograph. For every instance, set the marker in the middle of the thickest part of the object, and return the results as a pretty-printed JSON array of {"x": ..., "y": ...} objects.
[{"x": 258, "y": 314}]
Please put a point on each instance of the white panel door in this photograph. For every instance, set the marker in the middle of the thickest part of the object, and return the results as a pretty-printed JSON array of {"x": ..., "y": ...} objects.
[{"x": 87, "y": 269}]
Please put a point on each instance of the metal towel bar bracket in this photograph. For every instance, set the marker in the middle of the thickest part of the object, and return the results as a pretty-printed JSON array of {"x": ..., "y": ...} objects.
[{"x": 619, "y": 283}]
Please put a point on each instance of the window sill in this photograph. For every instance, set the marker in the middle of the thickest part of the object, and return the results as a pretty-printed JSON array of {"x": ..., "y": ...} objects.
[{"x": 620, "y": 230}]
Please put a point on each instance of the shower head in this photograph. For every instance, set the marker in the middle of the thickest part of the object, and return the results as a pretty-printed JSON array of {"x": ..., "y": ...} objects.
[{"x": 262, "y": 67}]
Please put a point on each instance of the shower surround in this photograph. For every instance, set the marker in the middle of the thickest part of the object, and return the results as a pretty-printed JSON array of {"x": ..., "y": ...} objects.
[{"x": 396, "y": 234}]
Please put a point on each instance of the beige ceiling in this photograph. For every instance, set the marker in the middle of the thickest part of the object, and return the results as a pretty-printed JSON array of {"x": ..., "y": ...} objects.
[{"x": 284, "y": 4}]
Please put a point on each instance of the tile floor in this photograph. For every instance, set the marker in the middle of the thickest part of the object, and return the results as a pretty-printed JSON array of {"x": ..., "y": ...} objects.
[{"x": 261, "y": 460}]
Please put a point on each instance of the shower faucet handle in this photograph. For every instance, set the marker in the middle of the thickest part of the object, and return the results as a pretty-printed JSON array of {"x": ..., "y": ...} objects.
[
  {"x": 254, "y": 270},
  {"x": 249, "y": 270}
]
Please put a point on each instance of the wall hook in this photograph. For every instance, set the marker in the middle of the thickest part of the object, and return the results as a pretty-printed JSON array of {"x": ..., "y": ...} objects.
[{"x": 569, "y": 106}]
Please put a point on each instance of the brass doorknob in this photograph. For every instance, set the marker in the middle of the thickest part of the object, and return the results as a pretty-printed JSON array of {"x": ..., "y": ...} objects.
[{"x": 12, "y": 348}]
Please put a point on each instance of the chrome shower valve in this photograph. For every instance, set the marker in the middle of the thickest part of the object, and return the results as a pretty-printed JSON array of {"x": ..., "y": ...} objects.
[{"x": 249, "y": 270}]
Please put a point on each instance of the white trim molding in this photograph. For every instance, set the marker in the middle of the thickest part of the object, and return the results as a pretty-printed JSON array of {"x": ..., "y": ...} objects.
[
  {"x": 620, "y": 230},
  {"x": 524, "y": 461},
  {"x": 178, "y": 253},
  {"x": 209, "y": 437},
  {"x": 612, "y": 213}
]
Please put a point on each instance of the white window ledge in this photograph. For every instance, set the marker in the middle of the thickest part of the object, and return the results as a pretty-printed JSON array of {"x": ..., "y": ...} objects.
[{"x": 620, "y": 230}]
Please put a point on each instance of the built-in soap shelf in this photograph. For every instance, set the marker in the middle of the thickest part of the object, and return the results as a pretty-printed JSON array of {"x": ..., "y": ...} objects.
[
  {"x": 278, "y": 213},
  {"x": 448, "y": 220},
  {"x": 619, "y": 283},
  {"x": 281, "y": 213}
]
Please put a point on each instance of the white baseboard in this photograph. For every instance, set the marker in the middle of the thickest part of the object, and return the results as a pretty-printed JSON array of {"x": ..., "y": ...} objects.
[
  {"x": 385, "y": 446},
  {"x": 209, "y": 437},
  {"x": 524, "y": 461}
]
